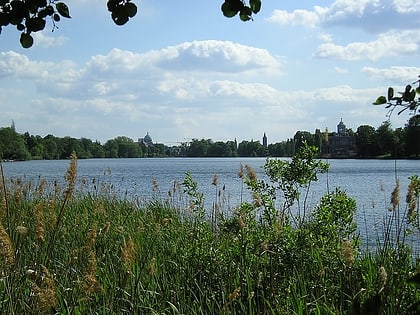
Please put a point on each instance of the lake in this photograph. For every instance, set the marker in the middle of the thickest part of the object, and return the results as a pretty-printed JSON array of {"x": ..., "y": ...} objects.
[{"x": 369, "y": 182}]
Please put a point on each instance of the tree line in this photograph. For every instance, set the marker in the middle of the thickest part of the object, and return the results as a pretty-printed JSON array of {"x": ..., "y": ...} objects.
[{"x": 371, "y": 142}]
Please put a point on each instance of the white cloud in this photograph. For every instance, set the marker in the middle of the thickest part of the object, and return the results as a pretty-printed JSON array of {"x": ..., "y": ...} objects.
[
  {"x": 372, "y": 16},
  {"x": 393, "y": 75},
  {"x": 297, "y": 17},
  {"x": 389, "y": 44},
  {"x": 45, "y": 41}
]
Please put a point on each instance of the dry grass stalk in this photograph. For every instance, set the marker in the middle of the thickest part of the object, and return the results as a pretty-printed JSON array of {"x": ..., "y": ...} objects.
[
  {"x": 128, "y": 253},
  {"x": 71, "y": 176},
  {"x": 44, "y": 293},
  {"x": 215, "y": 180},
  {"x": 89, "y": 284},
  {"x": 395, "y": 196},
  {"x": 241, "y": 171},
  {"x": 382, "y": 278},
  {"x": 39, "y": 223},
  {"x": 348, "y": 253},
  {"x": 7, "y": 253},
  {"x": 412, "y": 198},
  {"x": 250, "y": 172}
]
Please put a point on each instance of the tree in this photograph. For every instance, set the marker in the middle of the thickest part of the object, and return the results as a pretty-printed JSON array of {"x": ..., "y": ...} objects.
[
  {"x": 413, "y": 136},
  {"x": 385, "y": 139},
  {"x": 12, "y": 145},
  {"x": 198, "y": 148},
  {"x": 30, "y": 16},
  {"x": 365, "y": 141},
  {"x": 407, "y": 99}
]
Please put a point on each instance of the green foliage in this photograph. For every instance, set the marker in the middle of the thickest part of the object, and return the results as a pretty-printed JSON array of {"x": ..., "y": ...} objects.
[
  {"x": 121, "y": 10},
  {"x": 230, "y": 8},
  {"x": 30, "y": 16},
  {"x": 86, "y": 252},
  {"x": 407, "y": 99}
]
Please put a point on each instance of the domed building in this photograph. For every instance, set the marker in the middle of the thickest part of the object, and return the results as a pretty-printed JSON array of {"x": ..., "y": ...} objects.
[
  {"x": 339, "y": 144},
  {"x": 146, "y": 141}
]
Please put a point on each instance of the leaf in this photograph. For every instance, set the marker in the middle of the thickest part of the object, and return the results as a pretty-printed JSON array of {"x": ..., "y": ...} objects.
[
  {"x": 255, "y": 5},
  {"x": 245, "y": 14},
  {"x": 35, "y": 24},
  {"x": 227, "y": 11},
  {"x": 63, "y": 9},
  {"x": 131, "y": 9},
  {"x": 380, "y": 100},
  {"x": 390, "y": 93},
  {"x": 409, "y": 96},
  {"x": 418, "y": 90},
  {"x": 119, "y": 15},
  {"x": 26, "y": 40}
]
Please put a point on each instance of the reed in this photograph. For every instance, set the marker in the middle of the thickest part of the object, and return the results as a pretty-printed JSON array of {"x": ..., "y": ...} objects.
[{"x": 70, "y": 252}]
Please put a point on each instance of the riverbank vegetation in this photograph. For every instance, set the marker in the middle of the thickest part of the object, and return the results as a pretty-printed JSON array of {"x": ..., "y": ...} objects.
[
  {"x": 369, "y": 142},
  {"x": 80, "y": 249}
]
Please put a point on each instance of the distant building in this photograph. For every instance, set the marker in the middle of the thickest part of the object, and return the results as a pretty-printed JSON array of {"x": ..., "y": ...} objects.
[
  {"x": 264, "y": 140},
  {"x": 146, "y": 141},
  {"x": 339, "y": 144}
]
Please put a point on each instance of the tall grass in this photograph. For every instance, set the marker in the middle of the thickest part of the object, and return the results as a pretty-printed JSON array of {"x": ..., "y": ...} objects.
[{"x": 70, "y": 252}]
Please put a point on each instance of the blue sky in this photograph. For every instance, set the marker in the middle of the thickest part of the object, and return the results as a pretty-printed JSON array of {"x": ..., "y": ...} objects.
[{"x": 181, "y": 70}]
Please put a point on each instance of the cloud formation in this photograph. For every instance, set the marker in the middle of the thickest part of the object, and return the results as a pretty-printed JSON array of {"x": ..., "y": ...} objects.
[{"x": 372, "y": 16}]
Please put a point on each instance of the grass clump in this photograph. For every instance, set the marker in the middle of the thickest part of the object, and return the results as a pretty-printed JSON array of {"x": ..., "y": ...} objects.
[{"x": 65, "y": 252}]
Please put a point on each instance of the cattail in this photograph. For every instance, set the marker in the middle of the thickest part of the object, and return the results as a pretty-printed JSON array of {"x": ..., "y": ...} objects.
[
  {"x": 382, "y": 278},
  {"x": 7, "y": 253},
  {"x": 348, "y": 253},
  {"x": 395, "y": 196}
]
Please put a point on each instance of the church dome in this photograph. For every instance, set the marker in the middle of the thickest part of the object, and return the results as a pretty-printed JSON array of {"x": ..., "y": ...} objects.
[{"x": 147, "y": 138}]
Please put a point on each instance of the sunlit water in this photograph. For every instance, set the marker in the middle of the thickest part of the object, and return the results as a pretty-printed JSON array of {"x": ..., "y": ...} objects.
[{"x": 369, "y": 182}]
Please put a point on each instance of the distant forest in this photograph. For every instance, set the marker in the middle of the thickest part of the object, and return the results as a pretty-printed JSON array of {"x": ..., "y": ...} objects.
[{"x": 371, "y": 142}]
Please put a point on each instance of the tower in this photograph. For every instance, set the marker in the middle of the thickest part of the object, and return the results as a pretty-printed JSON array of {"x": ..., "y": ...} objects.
[
  {"x": 265, "y": 140},
  {"x": 341, "y": 128}
]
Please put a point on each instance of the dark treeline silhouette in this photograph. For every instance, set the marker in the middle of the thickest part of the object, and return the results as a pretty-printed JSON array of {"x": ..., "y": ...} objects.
[{"x": 370, "y": 142}]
